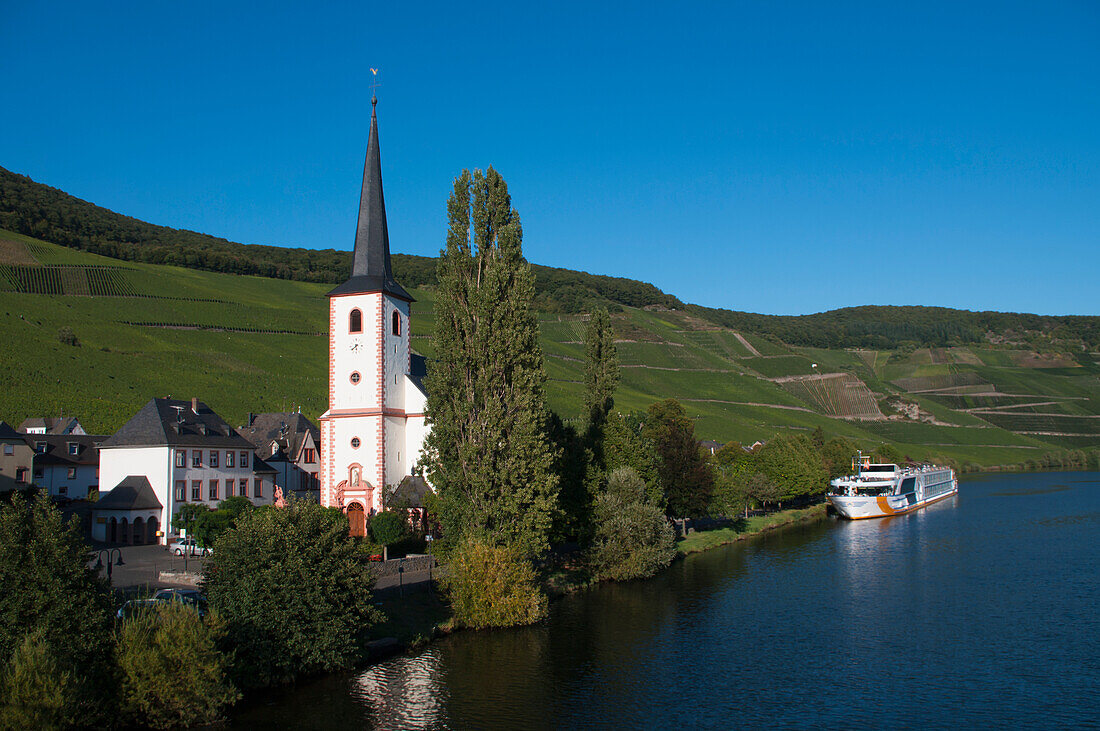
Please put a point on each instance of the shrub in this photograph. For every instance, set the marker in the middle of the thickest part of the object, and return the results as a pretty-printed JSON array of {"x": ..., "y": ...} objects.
[
  {"x": 633, "y": 539},
  {"x": 66, "y": 336},
  {"x": 389, "y": 527},
  {"x": 493, "y": 586},
  {"x": 294, "y": 592},
  {"x": 173, "y": 674},
  {"x": 34, "y": 689}
]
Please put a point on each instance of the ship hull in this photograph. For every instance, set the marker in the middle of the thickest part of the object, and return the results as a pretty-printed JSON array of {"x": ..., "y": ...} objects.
[{"x": 862, "y": 507}]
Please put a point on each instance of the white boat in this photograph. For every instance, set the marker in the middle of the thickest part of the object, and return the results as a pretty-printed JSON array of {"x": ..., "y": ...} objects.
[{"x": 879, "y": 490}]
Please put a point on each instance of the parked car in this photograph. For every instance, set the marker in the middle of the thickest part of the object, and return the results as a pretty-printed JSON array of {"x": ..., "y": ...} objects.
[
  {"x": 191, "y": 597},
  {"x": 128, "y": 609},
  {"x": 189, "y": 546}
]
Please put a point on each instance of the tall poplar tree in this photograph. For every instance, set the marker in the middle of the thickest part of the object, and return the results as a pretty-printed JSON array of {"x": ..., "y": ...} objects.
[
  {"x": 488, "y": 455},
  {"x": 601, "y": 370}
]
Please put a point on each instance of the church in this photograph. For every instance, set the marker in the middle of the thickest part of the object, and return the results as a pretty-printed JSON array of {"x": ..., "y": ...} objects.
[{"x": 374, "y": 428}]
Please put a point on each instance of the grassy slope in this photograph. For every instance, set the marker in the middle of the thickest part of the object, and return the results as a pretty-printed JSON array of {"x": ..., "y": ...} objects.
[{"x": 118, "y": 366}]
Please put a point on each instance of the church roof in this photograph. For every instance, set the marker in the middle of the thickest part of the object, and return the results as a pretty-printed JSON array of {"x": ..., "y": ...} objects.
[
  {"x": 133, "y": 493},
  {"x": 370, "y": 265}
]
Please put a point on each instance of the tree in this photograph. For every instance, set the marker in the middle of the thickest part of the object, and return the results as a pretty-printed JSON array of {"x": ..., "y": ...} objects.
[
  {"x": 761, "y": 488},
  {"x": 685, "y": 474},
  {"x": 601, "y": 367},
  {"x": 626, "y": 443},
  {"x": 49, "y": 591},
  {"x": 493, "y": 586},
  {"x": 389, "y": 527},
  {"x": 488, "y": 455},
  {"x": 34, "y": 690},
  {"x": 633, "y": 539},
  {"x": 792, "y": 463},
  {"x": 173, "y": 674},
  {"x": 293, "y": 591}
]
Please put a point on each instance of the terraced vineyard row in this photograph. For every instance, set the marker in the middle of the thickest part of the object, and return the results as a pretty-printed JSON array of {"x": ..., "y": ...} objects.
[
  {"x": 1043, "y": 423},
  {"x": 841, "y": 395},
  {"x": 67, "y": 279},
  {"x": 933, "y": 383}
]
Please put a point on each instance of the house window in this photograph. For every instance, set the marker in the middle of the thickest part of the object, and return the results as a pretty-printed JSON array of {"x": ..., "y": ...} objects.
[
  {"x": 355, "y": 442},
  {"x": 355, "y": 377},
  {"x": 310, "y": 456},
  {"x": 244, "y": 460},
  {"x": 21, "y": 474},
  {"x": 72, "y": 473},
  {"x": 213, "y": 458},
  {"x": 63, "y": 490},
  {"x": 181, "y": 491},
  {"x": 181, "y": 458},
  {"x": 229, "y": 459},
  {"x": 39, "y": 473},
  {"x": 395, "y": 323},
  {"x": 40, "y": 447},
  {"x": 213, "y": 489},
  {"x": 9, "y": 450},
  {"x": 242, "y": 488},
  {"x": 303, "y": 481},
  {"x": 196, "y": 489},
  {"x": 196, "y": 458},
  {"x": 74, "y": 448},
  {"x": 355, "y": 321},
  {"x": 257, "y": 487}
]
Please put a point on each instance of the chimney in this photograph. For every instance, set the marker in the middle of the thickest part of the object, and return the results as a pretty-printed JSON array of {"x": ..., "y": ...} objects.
[{"x": 195, "y": 405}]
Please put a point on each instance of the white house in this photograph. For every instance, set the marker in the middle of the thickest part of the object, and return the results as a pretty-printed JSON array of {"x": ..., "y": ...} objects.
[
  {"x": 373, "y": 431},
  {"x": 66, "y": 465},
  {"x": 186, "y": 453}
]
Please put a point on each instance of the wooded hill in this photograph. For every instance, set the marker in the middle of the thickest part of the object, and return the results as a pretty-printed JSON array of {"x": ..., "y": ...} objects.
[
  {"x": 97, "y": 337},
  {"x": 52, "y": 215}
]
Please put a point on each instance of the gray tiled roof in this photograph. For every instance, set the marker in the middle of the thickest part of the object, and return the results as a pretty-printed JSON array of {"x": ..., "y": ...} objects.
[
  {"x": 62, "y": 425},
  {"x": 8, "y": 434},
  {"x": 133, "y": 493},
  {"x": 173, "y": 422},
  {"x": 57, "y": 448},
  {"x": 289, "y": 429}
]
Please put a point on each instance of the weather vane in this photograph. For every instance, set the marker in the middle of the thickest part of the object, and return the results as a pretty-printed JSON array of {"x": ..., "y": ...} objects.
[{"x": 374, "y": 86}]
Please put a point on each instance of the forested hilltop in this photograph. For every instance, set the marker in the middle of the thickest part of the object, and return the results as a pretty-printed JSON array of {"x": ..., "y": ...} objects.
[{"x": 52, "y": 215}]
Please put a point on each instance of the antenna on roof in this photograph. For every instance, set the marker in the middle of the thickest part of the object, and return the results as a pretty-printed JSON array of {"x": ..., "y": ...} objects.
[{"x": 179, "y": 413}]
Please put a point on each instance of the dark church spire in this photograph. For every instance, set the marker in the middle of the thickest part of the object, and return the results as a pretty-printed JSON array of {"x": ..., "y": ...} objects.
[{"x": 370, "y": 265}]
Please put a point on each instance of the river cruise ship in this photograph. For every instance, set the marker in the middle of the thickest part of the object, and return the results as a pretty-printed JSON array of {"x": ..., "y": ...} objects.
[{"x": 879, "y": 490}]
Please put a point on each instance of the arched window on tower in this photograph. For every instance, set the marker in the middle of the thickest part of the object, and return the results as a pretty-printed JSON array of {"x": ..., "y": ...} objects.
[
  {"x": 396, "y": 326},
  {"x": 355, "y": 321}
]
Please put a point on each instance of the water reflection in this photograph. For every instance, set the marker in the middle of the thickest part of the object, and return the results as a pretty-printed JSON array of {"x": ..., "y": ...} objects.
[{"x": 406, "y": 693}]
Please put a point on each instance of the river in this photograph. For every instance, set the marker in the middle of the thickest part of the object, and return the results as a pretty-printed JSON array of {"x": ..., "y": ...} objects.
[{"x": 981, "y": 610}]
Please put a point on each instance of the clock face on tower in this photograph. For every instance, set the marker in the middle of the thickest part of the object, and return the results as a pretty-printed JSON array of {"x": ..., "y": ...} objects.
[{"x": 355, "y": 345}]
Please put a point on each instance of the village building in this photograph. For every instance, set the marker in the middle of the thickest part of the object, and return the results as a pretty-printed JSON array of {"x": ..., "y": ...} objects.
[
  {"x": 16, "y": 459},
  {"x": 66, "y": 465},
  {"x": 373, "y": 431},
  {"x": 185, "y": 453},
  {"x": 50, "y": 425},
  {"x": 290, "y": 444}
]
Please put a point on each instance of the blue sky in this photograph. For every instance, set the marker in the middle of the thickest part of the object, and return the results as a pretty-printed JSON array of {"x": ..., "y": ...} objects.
[{"x": 778, "y": 157}]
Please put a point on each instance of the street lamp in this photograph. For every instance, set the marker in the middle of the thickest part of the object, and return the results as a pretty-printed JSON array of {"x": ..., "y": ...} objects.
[{"x": 99, "y": 561}]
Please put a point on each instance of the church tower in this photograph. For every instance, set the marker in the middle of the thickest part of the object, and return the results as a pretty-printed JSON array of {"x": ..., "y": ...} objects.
[{"x": 374, "y": 428}]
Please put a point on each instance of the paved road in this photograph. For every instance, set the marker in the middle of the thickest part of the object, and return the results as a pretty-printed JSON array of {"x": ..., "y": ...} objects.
[{"x": 141, "y": 566}]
